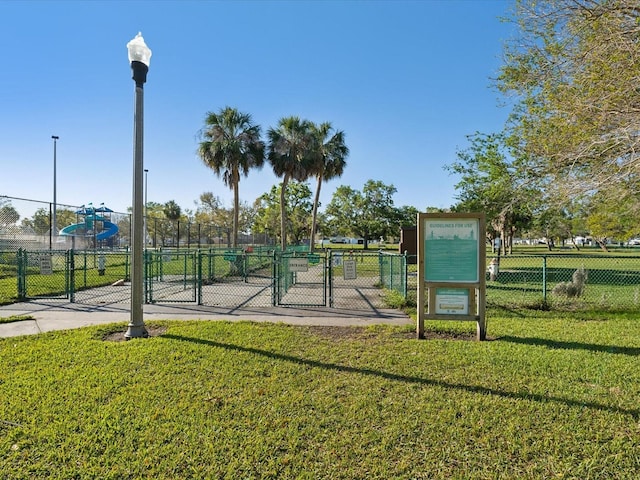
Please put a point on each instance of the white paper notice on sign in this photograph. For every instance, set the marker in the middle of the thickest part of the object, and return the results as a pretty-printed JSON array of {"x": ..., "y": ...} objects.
[
  {"x": 298, "y": 264},
  {"x": 46, "y": 266},
  {"x": 349, "y": 269},
  {"x": 452, "y": 301}
]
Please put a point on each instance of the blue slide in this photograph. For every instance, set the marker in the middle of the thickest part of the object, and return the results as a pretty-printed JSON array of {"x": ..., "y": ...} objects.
[{"x": 110, "y": 229}]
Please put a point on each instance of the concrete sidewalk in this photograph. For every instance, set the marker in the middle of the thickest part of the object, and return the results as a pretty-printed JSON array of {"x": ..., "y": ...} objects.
[{"x": 61, "y": 315}]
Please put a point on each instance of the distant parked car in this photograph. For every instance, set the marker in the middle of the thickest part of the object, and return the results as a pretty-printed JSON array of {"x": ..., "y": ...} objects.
[{"x": 634, "y": 242}]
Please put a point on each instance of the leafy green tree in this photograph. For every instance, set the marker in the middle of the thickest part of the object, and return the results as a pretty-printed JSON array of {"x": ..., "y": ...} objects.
[
  {"x": 330, "y": 153},
  {"x": 406, "y": 216},
  {"x": 231, "y": 147},
  {"x": 573, "y": 71},
  {"x": 40, "y": 221},
  {"x": 158, "y": 228},
  {"x": 298, "y": 208},
  {"x": 612, "y": 215},
  {"x": 492, "y": 182},
  {"x": 8, "y": 215},
  {"x": 290, "y": 153},
  {"x": 172, "y": 210},
  {"x": 211, "y": 213},
  {"x": 369, "y": 214},
  {"x": 65, "y": 217}
]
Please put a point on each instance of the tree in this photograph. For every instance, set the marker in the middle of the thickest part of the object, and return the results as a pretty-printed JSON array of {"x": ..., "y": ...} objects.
[
  {"x": 573, "y": 69},
  {"x": 612, "y": 215},
  {"x": 290, "y": 156},
  {"x": 173, "y": 212},
  {"x": 491, "y": 181},
  {"x": 298, "y": 207},
  {"x": 231, "y": 147},
  {"x": 8, "y": 215},
  {"x": 330, "y": 153},
  {"x": 40, "y": 222},
  {"x": 368, "y": 214},
  {"x": 406, "y": 216},
  {"x": 65, "y": 217}
]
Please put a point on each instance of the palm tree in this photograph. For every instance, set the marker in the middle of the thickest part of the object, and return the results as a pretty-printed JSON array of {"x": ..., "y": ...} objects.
[
  {"x": 231, "y": 146},
  {"x": 173, "y": 212},
  {"x": 330, "y": 153},
  {"x": 289, "y": 155}
]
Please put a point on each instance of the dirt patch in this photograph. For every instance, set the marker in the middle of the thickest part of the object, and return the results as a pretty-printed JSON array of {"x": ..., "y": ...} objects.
[
  {"x": 364, "y": 333},
  {"x": 153, "y": 331}
]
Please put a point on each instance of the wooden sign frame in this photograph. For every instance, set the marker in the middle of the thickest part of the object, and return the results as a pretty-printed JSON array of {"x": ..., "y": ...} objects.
[{"x": 451, "y": 269}]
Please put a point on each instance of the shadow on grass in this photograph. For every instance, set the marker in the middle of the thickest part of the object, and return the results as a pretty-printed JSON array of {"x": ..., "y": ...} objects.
[
  {"x": 635, "y": 413},
  {"x": 592, "y": 347}
]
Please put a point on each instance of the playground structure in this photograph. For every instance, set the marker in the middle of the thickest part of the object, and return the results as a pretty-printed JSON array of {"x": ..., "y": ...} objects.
[{"x": 95, "y": 226}]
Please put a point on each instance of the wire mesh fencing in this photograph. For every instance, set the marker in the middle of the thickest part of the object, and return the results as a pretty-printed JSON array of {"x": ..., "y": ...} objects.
[
  {"x": 610, "y": 282},
  {"x": 261, "y": 277}
]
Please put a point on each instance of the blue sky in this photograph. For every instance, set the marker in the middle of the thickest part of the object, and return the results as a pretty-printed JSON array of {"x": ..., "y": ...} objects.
[{"x": 406, "y": 81}]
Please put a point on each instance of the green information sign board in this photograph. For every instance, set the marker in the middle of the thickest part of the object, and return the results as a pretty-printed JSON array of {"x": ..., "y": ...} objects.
[
  {"x": 451, "y": 250},
  {"x": 451, "y": 264}
]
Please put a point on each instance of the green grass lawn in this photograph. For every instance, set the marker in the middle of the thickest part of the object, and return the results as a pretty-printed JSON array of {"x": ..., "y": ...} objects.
[{"x": 545, "y": 397}]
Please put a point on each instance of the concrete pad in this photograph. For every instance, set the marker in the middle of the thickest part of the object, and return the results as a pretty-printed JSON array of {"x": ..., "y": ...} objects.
[{"x": 16, "y": 329}]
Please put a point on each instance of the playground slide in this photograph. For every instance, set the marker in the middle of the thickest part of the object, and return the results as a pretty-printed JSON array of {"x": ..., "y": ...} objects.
[
  {"x": 110, "y": 229},
  {"x": 71, "y": 228}
]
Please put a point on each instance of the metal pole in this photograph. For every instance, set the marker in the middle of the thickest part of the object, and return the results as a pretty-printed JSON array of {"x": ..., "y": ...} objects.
[
  {"x": 136, "y": 327},
  {"x": 146, "y": 186},
  {"x": 54, "y": 220}
]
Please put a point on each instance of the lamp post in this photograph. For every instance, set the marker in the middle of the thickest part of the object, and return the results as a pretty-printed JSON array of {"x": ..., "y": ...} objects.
[
  {"x": 139, "y": 56},
  {"x": 54, "y": 219}
]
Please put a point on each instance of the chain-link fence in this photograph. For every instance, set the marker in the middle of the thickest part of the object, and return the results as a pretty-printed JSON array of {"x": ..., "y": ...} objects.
[
  {"x": 253, "y": 276},
  {"x": 559, "y": 282},
  {"x": 33, "y": 225},
  {"x": 260, "y": 276},
  {"x": 566, "y": 281}
]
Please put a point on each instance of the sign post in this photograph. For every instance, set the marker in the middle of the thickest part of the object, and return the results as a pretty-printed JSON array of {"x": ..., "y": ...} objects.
[{"x": 451, "y": 263}]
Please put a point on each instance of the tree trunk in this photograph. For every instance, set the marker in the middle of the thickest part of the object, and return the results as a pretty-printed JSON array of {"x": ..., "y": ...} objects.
[
  {"x": 283, "y": 213},
  {"x": 573, "y": 241},
  {"x": 314, "y": 216},
  {"x": 236, "y": 212}
]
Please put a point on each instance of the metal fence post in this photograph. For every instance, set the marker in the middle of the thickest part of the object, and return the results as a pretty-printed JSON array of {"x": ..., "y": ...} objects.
[
  {"x": 405, "y": 274},
  {"x": 199, "y": 276},
  {"x": 72, "y": 275},
  {"x": 147, "y": 274},
  {"x": 329, "y": 265},
  {"x": 21, "y": 276},
  {"x": 544, "y": 279},
  {"x": 84, "y": 271},
  {"x": 151, "y": 278},
  {"x": 274, "y": 278},
  {"x": 126, "y": 263},
  {"x": 245, "y": 269}
]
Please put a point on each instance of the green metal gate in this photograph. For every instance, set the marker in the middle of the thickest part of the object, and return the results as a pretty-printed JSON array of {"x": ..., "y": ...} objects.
[
  {"x": 300, "y": 279},
  {"x": 44, "y": 274},
  {"x": 240, "y": 277},
  {"x": 357, "y": 277},
  {"x": 171, "y": 277}
]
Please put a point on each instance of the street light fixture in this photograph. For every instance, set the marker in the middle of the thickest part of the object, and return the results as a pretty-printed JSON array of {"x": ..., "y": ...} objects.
[
  {"x": 139, "y": 57},
  {"x": 54, "y": 218}
]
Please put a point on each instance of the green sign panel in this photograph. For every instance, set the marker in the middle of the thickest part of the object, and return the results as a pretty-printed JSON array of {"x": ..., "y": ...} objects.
[{"x": 451, "y": 250}]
